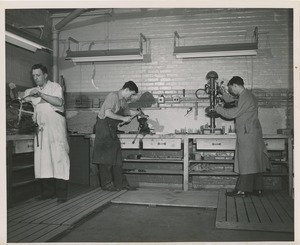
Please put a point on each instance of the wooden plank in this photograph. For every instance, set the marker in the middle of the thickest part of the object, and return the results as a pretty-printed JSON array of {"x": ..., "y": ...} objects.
[
  {"x": 221, "y": 207},
  {"x": 65, "y": 214},
  {"x": 274, "y": 217},
  {"x": 31, "y": 213},
  {"x": 50, "y": 235},
  {"x": 40, "y": 228},
  {"x": 60, "y": 209},
  {"x": 254, "y": 213},
  {"x": 75, "y": 218},
  {"x": 286, "y": 204},
  {"x": 231, "y": 210},
  {"x": 180, "y": 198},
  {"x": 287, "y": 198},
  {"x": 46, "y": 207},
  {"x": 37, "y": 232},
  {"x": 241, "y": 210},
  {"x": 27, "y": 230},
  {"x": 279, "y": 210},
  {"x": 260, "y": 210},
  {"x": 28, "y": 211},
  {"x": 48, "y": 232},
  {"x": 15, "y": 228},
  {"x": 251, "y": 212},
  {"x": 32, "y": 203},
  {"x": 256, "y": 226}
]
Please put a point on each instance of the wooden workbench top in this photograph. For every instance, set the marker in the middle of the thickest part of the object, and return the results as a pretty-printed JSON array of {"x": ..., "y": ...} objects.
[
  {"x": 19, "y": 137},
  {"x": 190, "y": 136}
]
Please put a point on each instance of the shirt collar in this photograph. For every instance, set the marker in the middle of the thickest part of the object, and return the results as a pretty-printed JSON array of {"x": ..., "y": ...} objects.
[{"x": 120, "y": 95}]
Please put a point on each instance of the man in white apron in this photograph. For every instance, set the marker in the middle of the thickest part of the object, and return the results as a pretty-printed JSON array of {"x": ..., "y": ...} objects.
[{"x": 51, "y": 152}]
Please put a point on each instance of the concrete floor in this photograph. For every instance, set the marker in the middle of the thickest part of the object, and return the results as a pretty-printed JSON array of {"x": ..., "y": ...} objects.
[{"x": 141, "y": 223}]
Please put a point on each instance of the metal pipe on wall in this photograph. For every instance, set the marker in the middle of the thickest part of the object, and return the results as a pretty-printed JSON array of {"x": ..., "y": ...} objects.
[
  {"x": 55, "y": 37},
  {"x": 55, "y": 40},
  {"x": 68, "y": 19}
]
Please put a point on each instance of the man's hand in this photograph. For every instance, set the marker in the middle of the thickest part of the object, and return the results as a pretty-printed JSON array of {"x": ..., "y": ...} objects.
[
  {"x": 127, "y": 119},
  {"x": 223, "y": 89},
  {"x": 35, "y": 93},
  {"x": 218, "y": 107}
]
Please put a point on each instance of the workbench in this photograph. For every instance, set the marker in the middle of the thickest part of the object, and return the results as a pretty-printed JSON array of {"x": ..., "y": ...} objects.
[
  {"x": 210, "y": 142},
  {"x": 21, "y": 183},
  {"x": 179, "y": 144}
]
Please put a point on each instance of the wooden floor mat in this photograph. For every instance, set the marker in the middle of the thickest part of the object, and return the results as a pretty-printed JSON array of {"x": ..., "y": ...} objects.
[
  {"x": 162, "y": 197},
  {"x": 274, "y": 211},
  {"x": 41, "y": 221}
]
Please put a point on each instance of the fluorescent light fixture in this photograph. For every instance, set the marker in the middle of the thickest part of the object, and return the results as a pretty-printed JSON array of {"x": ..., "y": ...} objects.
[
  {"x": 24, "y": 40},
  {"x": 105, "y": 55},
  {"x": 223, "y": 50},
  {"x": 216, "y": 50}
]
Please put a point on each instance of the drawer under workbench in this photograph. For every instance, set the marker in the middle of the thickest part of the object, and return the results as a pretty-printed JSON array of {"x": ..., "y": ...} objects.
[
  {"x": 166, "y": 144},
  {"x": 216, "y": 144}
]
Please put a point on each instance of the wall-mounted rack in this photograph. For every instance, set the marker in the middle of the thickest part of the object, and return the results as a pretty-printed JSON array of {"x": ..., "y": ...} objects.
[
  {"x": 216, "y": 50},
  {"x": 133, "y": 54}
]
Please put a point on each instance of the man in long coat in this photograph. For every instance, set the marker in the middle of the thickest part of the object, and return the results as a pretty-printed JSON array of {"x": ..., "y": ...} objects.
[{"x": 251, "y": 157}]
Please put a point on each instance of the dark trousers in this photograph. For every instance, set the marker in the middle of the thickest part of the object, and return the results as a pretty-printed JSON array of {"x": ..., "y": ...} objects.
[
  {"x": 54, "y": 187},
  {"x": 112, "y": 175},
  {"x": 250, "y": 182}
]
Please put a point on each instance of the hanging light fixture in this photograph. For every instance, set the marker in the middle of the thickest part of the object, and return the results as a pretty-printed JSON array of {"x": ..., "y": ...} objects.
[{"x": 217, "y": 50}]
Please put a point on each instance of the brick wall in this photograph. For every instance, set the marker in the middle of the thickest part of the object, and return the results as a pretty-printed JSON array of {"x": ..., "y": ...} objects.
[
  {"x": 270, "y": 69},
  {"x": 269, "y": 73},
  {"x": 19, "y": 62}
]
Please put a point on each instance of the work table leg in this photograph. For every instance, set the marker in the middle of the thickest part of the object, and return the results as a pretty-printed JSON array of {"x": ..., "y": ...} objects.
[{"x": 185, "y": 164}]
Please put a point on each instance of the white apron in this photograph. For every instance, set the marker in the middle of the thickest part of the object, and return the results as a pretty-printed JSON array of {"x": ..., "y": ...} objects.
[{"x": 52, "y": 155}]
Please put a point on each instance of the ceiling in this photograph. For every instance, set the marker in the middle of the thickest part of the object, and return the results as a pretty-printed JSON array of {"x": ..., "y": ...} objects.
[{"x": 128, "y": 13}]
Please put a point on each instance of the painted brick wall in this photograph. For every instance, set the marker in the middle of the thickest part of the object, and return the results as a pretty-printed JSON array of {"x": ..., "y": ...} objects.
[
  {"x": 269, "y": 73},
  {"x": 19, "y": 62},
  {"x": 270, "y": 69}
]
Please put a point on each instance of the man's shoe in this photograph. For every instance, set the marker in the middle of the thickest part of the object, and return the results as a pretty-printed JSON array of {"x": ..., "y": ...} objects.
[
  {"x": 236, "y": 193},
  {"x": 258, "y": 193}
]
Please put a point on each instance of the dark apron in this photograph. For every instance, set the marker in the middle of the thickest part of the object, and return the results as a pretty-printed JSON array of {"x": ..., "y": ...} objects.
[{"x": 107, "y": 146}]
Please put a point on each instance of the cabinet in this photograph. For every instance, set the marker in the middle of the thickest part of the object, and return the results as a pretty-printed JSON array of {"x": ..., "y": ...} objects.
[
  {"x": 156, "y": 155},
  {"x": 180, "y": 151},
  {"x": 79, "y": 160},
  {"x": 219, "y": 149},
  {"x": 21, "y": 183}
]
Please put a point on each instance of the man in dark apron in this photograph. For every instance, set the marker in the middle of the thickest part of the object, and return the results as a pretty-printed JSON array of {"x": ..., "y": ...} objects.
[{"x": 107, "y": 148}]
